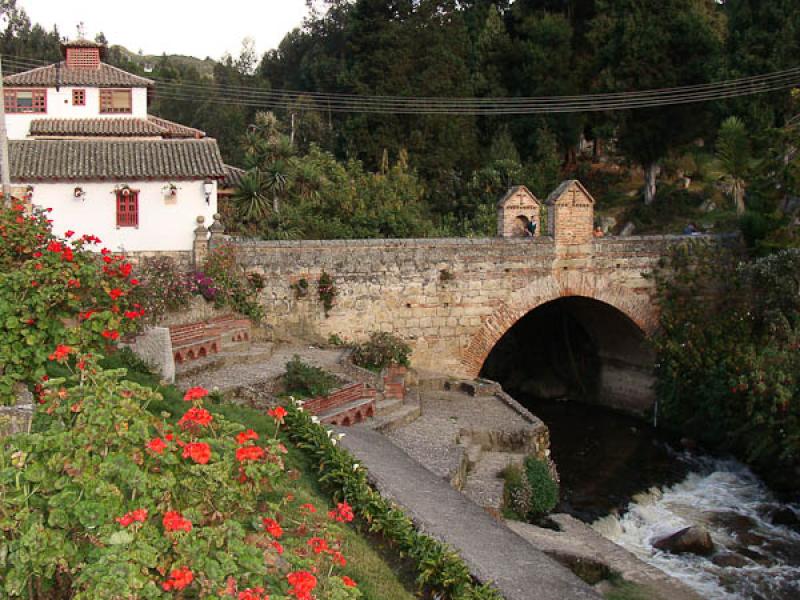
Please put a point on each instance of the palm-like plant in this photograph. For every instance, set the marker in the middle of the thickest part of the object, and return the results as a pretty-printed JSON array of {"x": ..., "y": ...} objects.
[
  {"x": 734, "y": 159},
  {"x": 251, "y": 197},
  {"x": 276, "y": 179}
]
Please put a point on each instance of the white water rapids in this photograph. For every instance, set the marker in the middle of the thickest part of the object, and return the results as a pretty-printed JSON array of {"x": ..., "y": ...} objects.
[{"x": 754, "y": 558}]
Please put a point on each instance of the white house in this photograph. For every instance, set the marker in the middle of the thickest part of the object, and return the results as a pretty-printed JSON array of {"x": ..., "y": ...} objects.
[{"x": 82, "y": 143}]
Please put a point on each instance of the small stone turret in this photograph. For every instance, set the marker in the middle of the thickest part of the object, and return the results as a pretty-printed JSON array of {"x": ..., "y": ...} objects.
[
  {"x": 515, "y": 211},
  {"x": 570, "y": 213}
]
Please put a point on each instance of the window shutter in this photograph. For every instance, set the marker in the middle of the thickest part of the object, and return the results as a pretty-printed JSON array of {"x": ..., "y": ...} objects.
[{"x": 128, "y": 209}]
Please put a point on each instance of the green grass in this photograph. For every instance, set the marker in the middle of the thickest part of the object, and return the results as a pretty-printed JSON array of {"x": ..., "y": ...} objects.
[
  {"x": 380, "y": 573},
  {"x": 625, "y": 590}
]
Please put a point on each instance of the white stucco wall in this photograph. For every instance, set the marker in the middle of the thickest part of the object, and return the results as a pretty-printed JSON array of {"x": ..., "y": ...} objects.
[
  {"x": 163, "y": 224},
  {"x": 59, "y": 106}
]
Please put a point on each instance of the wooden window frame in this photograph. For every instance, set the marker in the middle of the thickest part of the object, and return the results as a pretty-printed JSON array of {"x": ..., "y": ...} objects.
[
  {"x": 79, "y": 97},
  {"x": 127, "y": 209},
  {"x": 38, "y": 101},
  {"x": 105, "y": 98}
]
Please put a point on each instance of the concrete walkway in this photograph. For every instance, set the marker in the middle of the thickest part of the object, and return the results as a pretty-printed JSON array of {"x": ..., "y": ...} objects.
[{"x": 492, "y": 551}]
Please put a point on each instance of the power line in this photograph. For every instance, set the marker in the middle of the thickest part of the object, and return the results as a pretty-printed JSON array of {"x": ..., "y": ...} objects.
[{"x": 353, "y": 103}]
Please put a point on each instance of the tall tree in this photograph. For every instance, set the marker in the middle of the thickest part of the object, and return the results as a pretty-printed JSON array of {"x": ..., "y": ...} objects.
[{"x": 651, "y": 44}]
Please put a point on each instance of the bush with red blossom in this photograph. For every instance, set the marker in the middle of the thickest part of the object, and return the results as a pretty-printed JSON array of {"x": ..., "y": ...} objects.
[{"x": 56, "y": 291}]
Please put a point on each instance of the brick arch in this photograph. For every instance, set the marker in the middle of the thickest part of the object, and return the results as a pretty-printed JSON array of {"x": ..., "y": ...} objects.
[{"x": 638, "y": 307}]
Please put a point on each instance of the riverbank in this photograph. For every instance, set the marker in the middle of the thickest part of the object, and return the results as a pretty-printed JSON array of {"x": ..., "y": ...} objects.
[{"x": 636, "y": 484}]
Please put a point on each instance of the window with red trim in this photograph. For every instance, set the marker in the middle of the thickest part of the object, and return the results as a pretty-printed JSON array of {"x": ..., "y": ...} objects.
[
  {"x": 79, "y": 97},
  {"x": 127, "y": 208},
  {"x": 25, "y": 101},
  {"x": 116, "y": 101}
]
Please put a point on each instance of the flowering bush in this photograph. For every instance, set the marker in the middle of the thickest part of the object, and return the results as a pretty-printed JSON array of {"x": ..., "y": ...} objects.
[
  {"x": 235, "y": 288},
  {"x": 55, "y": 291},
  {"x": 106, "y": 501},
  {"x": 164, "y": 287},
  {"x": 204, "y": 285},
  {"x": 381, "y": 350}
]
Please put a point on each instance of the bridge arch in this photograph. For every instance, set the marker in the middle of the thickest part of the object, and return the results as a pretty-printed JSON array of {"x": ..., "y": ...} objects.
[{"x": 615, "y": 323}]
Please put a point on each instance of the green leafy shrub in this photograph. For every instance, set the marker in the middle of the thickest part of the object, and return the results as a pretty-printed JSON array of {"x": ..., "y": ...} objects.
[
  {"x": 55, "y": 291},
  {"x": 327, "y": 292},
  {"x": 381, "y": 350},
  {"x": 233, "y": 287},
  {"x": 530, "y": 491},
  {"x": 728, "y": 370},
  {"x": 307, "y": 381},
  {"x": 104, "y": 500}
]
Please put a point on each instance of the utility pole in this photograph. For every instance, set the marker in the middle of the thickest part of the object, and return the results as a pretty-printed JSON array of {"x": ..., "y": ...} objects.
[
  {"x": 293, "y": 126},
  {"x": 5, "y": 168}
]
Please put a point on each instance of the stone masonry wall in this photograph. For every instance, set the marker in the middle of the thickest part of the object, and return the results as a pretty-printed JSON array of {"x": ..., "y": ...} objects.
[{"x": 452, "y": 299}]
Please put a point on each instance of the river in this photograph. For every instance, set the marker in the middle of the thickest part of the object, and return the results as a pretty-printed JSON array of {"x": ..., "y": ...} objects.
[{"x": 636, "y": 485}]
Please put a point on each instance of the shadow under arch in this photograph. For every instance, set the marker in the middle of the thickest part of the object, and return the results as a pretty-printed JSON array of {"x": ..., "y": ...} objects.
[{"x": 577, "y": 347}]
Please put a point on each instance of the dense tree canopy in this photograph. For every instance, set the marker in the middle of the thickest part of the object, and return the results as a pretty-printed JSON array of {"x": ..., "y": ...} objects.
[{"x": 484, "y": 49}]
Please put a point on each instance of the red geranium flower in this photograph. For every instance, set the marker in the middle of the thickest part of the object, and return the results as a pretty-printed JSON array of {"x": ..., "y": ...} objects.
[
  {"x": 198, "y": 452},
  {"x": 196, "y": 416},
  {"x": 136, "y": 516},
  {"x": 318, "y": 545},
  {"x": 61, "y": 353},
  {"x": 338, "y": 558},
  {"x": 179, "y": 579},
  {"x": 309, "y": 507},
  {"x": 249, "y": 453},
  {"x": 303, "y": 583},
  {"x": 277, "y": 545},
  {"x": 246, "y": 436},
  {"x": 116, "y": 293},
  {"x": 252, "y": 594},
  {"x": 157, "y": 445},
  {"x": 273, "y": 527},
  {"x": 175, "y": 521},
  {"x": 343, "y": 513},
  {"x": 277, "y": 413},
  {"x": 348, "y": 582},
  {"x": 69, "y": 234},
  {"x": 111, "y": 335},
  {"x": 195, "y": 393}
]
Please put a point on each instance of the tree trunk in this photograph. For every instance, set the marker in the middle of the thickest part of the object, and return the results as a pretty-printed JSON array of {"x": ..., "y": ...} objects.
[
  {"x": 651, "y": 172},
  {"x": 738, "y": 197}
]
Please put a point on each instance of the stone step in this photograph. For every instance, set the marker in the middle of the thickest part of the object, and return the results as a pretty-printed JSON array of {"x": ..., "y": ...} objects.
[
  {"x": 484, "y": 483},
  {"x": 387, "y": 407},
  {"x": 400, "y": 417},
  {"x": 244, "y": 354}
]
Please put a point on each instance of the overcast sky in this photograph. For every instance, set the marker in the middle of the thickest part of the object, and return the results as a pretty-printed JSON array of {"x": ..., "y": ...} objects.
[{"x": 195, "y": 27}]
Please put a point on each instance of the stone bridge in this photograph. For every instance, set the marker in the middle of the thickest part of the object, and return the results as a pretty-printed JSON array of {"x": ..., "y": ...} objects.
[{"x": 455, "y": 299}]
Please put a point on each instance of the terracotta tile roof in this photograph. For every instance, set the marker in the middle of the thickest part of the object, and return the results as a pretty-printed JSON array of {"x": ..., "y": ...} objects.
[
  {"x": 112, "y": 127},
  {"x": 92, "y": 160},
  {"x": 117, "y": 127},
  {"x": 176, "y": 129},
  {"x": 59, "y": 74},
  {"x": 233, "y": 177}
]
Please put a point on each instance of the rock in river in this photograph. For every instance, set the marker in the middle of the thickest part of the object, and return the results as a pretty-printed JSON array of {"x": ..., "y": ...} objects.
[{"x": 692, "y": 540}]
